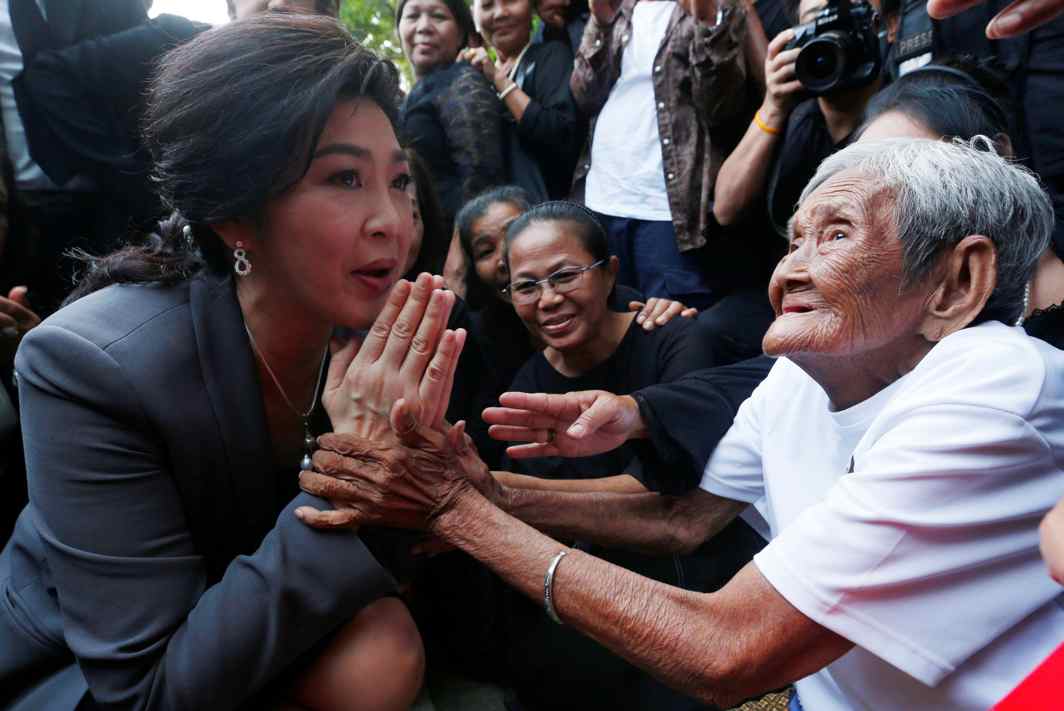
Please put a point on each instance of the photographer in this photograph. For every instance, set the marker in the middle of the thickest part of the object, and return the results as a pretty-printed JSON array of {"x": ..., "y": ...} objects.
[{"x": 793, "y": 130}]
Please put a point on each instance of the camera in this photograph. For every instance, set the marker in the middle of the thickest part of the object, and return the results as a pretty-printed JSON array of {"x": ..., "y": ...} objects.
[{"x": 840, "y": 48}]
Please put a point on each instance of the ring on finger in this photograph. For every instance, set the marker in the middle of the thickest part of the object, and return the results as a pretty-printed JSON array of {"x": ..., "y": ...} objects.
[{"x": 550, "y": 436}]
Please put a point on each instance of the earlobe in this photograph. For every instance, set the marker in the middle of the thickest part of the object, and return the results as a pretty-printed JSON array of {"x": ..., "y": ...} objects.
[{"x": 233, "y": 231}]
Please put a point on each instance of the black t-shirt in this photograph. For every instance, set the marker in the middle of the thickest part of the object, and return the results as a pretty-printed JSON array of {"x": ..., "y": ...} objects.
[
  {"x": 554, "y": 667},
  {"x": 806, "y": 142},
  {"x": 642, "y": 359}
]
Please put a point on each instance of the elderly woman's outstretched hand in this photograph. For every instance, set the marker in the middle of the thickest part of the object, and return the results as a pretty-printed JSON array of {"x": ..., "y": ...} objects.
[
  {"x": 408, "y": 353},
  {"x": 404, "y": 479}
]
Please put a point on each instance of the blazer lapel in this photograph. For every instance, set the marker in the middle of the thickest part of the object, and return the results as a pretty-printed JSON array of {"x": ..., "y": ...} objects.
[{"x": 233, "y": 389}]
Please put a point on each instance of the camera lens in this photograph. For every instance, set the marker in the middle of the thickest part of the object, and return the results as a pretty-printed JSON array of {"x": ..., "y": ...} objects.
[{"x": 822, "y": 63}]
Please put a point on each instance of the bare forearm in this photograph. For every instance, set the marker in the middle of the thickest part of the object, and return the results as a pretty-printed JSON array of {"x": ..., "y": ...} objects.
[
  {"x": 644, "y": 522},
  {"x": 619, "y": 484},
  {"x": 744, "y": 175},
  {"x": 698, "y": 644}
]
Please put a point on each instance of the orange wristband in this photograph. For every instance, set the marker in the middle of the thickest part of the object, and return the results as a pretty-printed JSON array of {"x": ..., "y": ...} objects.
[{"x": 764, "y": 126}]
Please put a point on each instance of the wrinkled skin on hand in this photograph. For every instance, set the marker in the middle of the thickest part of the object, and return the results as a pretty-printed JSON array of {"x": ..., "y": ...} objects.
[{"x": 404, "y": 480}]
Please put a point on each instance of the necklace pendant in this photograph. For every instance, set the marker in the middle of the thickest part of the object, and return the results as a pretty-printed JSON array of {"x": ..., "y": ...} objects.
[{"x": 309, "y": 445}]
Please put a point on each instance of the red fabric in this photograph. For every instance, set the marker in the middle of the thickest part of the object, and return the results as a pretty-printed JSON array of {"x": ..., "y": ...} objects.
[{"x": 1043, "y": 689}]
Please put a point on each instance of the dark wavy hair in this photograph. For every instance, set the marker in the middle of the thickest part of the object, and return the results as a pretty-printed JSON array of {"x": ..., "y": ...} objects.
[{"x": 232, "y": 120}]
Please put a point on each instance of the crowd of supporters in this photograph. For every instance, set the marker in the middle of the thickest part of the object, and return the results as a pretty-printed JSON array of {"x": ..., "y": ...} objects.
[{"x": 765, "y": 296}]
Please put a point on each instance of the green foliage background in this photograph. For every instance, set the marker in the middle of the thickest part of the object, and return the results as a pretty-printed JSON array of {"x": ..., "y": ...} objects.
[{"x": 372, "y": 22}]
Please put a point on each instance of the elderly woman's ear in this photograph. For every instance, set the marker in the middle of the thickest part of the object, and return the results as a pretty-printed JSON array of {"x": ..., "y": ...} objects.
[{"x": 967, "y": 276}]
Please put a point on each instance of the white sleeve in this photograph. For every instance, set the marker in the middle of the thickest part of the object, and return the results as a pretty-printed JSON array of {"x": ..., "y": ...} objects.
[
  {"x": 928, "y": 551},
  {"x": 735, "y": 470}
]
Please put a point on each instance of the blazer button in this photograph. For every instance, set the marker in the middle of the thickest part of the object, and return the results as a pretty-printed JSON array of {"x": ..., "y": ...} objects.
[
  {"x": 665, "y": 141},
  {"x": 670, "y": 176},
  {"x": 661, "y": 104}
]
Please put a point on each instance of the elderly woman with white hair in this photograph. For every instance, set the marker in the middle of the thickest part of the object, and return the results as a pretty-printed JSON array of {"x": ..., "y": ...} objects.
[{"x": 903, "y": 449}]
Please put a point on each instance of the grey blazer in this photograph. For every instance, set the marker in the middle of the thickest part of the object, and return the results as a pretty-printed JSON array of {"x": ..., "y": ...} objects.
[{"x": 152, "y": 568}]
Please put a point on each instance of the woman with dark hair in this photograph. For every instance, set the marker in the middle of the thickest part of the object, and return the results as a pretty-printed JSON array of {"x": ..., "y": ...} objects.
[
  {"x": 451, "y": 116},
  {"x": 503, "y": 339},
  {"x": 543, "y": 129},
  {"x": 431, "y": 240},
  {"x": 167, "y": 409}
]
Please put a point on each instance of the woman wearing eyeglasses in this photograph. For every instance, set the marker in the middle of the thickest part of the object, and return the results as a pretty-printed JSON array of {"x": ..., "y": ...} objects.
[{"x": 561, "y": 278}]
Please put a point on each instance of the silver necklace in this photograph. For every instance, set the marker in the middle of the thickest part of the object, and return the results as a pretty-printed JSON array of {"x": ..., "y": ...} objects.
[
  {"x": 308, "y": 438},
  {"x": 1026, "y": 304}
]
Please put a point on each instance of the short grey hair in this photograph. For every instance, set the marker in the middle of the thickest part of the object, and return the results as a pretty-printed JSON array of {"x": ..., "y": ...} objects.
[{"x": 944, "y": 191}]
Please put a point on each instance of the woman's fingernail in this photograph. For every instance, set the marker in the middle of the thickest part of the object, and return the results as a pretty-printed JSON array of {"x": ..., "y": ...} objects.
[
  {"x": 577, "y": 430},
  {"x": 301, "y": 514}
]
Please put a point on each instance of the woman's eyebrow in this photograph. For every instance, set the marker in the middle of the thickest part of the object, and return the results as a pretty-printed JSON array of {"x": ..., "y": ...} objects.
[{"x": 351, "y": 149}]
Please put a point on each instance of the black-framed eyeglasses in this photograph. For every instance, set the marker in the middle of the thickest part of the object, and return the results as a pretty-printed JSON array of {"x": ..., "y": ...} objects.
[{"x": 527, "y": 291}]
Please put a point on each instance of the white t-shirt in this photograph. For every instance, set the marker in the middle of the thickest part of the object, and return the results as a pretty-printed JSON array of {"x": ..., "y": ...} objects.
[
  {"x": 627, "y": 176},
  {"x": 908, "y": 523}
]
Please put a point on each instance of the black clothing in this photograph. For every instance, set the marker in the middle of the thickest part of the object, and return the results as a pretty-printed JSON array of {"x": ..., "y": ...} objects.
[
  {"x": 92, "y": 96},
  {"x": 773, "y": 16},
  {"x": 806, "y": 142},
  {"x": 545, "y": 144},
  {"x": 1047, "y": 324},
  {"x": 686, "y": 418},
  {"x": 56, "y": 220},
  {"x": 552, "y": 667},
  {"x": 642, "y": 358},
  {"x": 737, "y": 322},
  {"x": 1033, "y": 68},
  {"x": 68, "y": 22},
  {"x": 452, "y": 119}
]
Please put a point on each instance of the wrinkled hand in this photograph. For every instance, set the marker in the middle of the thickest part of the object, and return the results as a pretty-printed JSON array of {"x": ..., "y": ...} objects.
[
  {"x": 408, "y": 353},
  {"x": 782, "y": 88},
  {"x": 577, "y": 424},
  {"x": 1052, "y": 532},
  {"x": 478, "y": 57},
  {"x": 403, "y": 480},
  {"x": 16, "y": 320},
  {"x": 1019, "y": 17},
  {"x": 658, "y": 311}
]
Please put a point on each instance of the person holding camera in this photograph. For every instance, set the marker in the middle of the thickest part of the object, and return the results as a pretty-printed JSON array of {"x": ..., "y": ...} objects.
[{"x": 813, "y": 104}]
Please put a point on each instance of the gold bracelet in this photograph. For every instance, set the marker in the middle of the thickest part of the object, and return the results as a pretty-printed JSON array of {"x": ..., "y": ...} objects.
[{"x": 764, "y": 126}]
